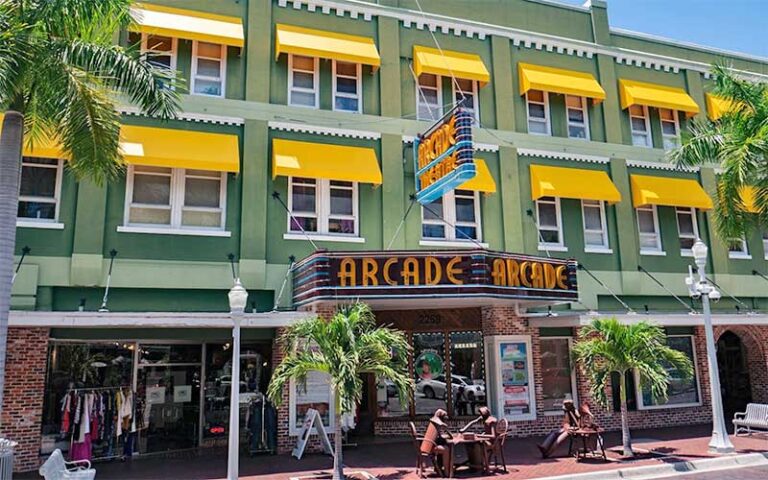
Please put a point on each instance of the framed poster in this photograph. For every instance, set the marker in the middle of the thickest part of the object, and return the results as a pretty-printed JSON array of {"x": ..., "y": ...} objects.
[
  {"x": 316, "y": 395},
  {"x": 513, "y": 382}
]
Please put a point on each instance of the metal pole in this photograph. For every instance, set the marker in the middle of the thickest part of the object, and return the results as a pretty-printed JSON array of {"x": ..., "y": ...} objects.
[
  {"x": 234, "y": 403},
  {"x": 720, "y": 442}
]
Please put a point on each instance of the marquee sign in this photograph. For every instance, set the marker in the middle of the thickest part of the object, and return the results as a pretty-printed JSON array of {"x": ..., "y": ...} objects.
[
  {"x": 444, "y": 156},
  {"x": 342, "y": 276}
]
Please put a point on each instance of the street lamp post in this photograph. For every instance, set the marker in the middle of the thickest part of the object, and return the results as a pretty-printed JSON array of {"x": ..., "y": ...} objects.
[
  {"x": 720, "y": 442},
  {"x": 238, "y": 297}
]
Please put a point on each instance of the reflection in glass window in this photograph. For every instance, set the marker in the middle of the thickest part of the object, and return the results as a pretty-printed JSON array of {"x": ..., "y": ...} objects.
[
  {"x": 467, "y": 373},
  {"x": 538, "y": 112},
  {"x": 347, "y": 86},
  {"x": 429, "y": 104},
  {"x": 209, "y": 64},
  {"x": 578, "y": 121},
  {"x": 679, "y": 391},
  {"x": 429, "y": 371},
  {"x": 39, "y": 189},
  {"x": 648, "y": 228},
  {"x": 557, "y": 381},
  {"x": 548, "y": 217},
  {"x": 303, "y": 81}
]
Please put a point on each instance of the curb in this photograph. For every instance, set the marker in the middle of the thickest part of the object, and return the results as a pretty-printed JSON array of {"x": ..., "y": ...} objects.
[{"x": 672, "y": 469}]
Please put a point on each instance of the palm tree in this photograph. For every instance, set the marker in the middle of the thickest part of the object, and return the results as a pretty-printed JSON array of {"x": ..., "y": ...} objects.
[
  {"x": 607, "y": 346},
  {"x": 343, "y": 347},
  {"x": 60, "y": 77},
  {"x": 738, "y": 142}
]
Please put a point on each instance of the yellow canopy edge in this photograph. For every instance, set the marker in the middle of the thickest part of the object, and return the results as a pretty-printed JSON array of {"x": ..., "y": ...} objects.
[
  {"x": 556, "y": 80},
  {"x": 165, "y": 147},
  {"x": 659, "y": 96},
  {"x": 43, "y": 148},
  {"x": 671, "y": 192},
  {"x": 717, "y": 107},
  {"x": 483, "y": 181},
  {"x": 575, "y": 183},
  {"x": 320, "y": 160},
  {"x": 324, "y": 44},
  {"x": 189, "y": 24},
  {"x": 467, "y": 66}
]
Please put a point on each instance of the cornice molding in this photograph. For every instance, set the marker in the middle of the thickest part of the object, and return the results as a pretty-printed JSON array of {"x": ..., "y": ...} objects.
[
  {"x": 661, "y": 166},
  {"x": 479, "y": 147},
  {"x": 318, "y": 130},
  {"x": 189, "y": 117},
  {"x": 578, "y": 157},
  {"x": 532, "y": 40}
]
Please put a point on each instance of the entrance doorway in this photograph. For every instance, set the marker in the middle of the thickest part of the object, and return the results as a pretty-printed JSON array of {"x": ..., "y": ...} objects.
[
  {"x": 366, "y": 412},
  {"x": 734, "y": 375}
]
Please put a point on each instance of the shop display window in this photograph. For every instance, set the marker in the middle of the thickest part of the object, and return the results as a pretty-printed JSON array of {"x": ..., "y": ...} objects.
[
  {"x": 467, "y": 373},
  {"x": 557, "y": 375},
  {"x": 175, "y": 353},
  {"x": 680, "y": 392},
  {"x": 429, "y": 373}
]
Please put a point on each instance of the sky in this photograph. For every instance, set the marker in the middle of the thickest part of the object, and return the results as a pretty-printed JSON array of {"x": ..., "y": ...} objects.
[{"x": 739, "y": 25}]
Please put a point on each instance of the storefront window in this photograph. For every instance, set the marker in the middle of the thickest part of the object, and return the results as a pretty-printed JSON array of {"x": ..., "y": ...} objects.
[
  {"x": 161, "y": 354},
  {"x": 467, "y": 373},
  {"x": 80, "y": 368},
  {"x": 315, "y": 394},
  {"x": 679, "y": 392},
  {"x": 557, "y": 377},
  {"x": 429, "y": 371}
]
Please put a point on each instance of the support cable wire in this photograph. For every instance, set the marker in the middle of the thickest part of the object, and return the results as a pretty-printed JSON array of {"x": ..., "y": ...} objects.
[
  {"x": 288, "y": 273},
  {"x": 479, "y": 245},
  {"x": 231, "y": 258},
  {"x": 542, "y": 243},
  {"x": 112, "y": 255},
  {"x": 749, "y": 309},
  {"x": 276, "y": 196},
  {"x": 402, "y": 222},
  {"x": 755, "y": 272},
  {"x": 599, "y": 282},
  {"x": 24, "y": 252},
  {"x": 688, "y": 307}
]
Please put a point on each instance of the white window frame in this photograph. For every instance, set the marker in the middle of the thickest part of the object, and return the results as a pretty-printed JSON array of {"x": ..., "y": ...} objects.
[
  {"x": 359, "y": 96},
  {"x": 648, "y": 134},
  {"x": 545, "y": 246},
  {"x": 323, "y": 210},
  {"x": 585, "y": 111},
  {"x": 475, "y": 101},
  {"x": 765, "y": 244},
  {"x": 59, "y": 167},
  {"x": 222, "y": 70},
  {"x": 657, "y": 231},
  {"x": 742, "y": 254},
  {"x": 687, "y": 252},
  {"x": 316, "y": 82},
  {"x": 420, "y": 98},
  {"x": 605, "y": 247},
  {"x": 665, "y": 137},
  {"x": 574, "y": 385},
  {"x": 449, "y": 220},
  {"x": 174, "y": 48},
  {"x": 547, "y": 115},
  {"x": 639, "y": 387},
  {"x": 294, "y": 429},
  {"x": 178, "y": 177}
]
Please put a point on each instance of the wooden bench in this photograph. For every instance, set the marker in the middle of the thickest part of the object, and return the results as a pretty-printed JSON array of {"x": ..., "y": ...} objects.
[{"x": 754, "y": 419}]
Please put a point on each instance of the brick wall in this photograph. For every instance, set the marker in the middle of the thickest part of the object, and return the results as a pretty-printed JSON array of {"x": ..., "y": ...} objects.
[{"x": 24, "y": 387}]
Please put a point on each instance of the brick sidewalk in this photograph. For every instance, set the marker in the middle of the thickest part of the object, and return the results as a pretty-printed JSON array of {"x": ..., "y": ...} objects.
[{"x": 391, "y": 460}]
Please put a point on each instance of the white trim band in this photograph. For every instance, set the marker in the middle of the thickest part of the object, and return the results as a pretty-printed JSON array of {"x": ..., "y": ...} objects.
[{"x": 318, "y": 130}]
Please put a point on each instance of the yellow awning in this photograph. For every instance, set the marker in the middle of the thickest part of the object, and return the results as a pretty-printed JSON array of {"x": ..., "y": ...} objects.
[
  {"x": 321, "y": 160},
  {"x": 671, "y": 192},
  {"x": 165, "y": 147},
  {"x": 572, "y": 183},
  {"x": 188, "y": 24},
  {"x": 324, "y": 44},
  {"x": 659, "y": 96},
  {"x": 556, "y": 80},
  {"x": 43, "y": 148},
  {"x": 717, "y": 107},
  {"x": 483, "y": 181},
  {"x": 447, "y": 63}
]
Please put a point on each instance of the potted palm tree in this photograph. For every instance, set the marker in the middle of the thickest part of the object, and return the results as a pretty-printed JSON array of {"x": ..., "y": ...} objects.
[
  {"x": 607, "y": 346},
  {"x": 343, "y": 347},
  {"x": 60, "y": 78}
]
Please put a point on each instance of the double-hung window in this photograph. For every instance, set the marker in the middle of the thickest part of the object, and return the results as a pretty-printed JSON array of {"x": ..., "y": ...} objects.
[
  {"x": 681, "y": 392},
  {"x": 670, "y": 128},
  {"x": 558, "y": 375},
  {"x": 465, "y": 95},
  {"x": 738, "y": 248},
  {"x": 595, "y": 228},
  {"x": 209, "y": 65},
  {"x": 303, "y": 81},
  {"x": 648, "y": 229},
  {"x": 429, "y": 102},
  {"x": 687, "y": 229},
  {"x": 454, "y": 216},
  {"x": 549, "y": 222},
  {"x": 175, "y": 198},
  {"x": 578, "y": 118},
  {"x": 40, "y": 189},
  {"x": 347, "y": 87},
  {"x": 320, "y": 206},
  {"x": 640, "y": 125},
  {"x": 538, "y": 112},
  {"x": 160, "y": 50}
]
